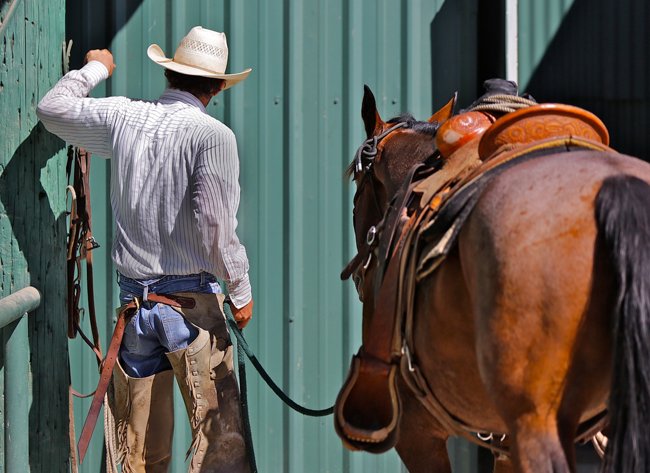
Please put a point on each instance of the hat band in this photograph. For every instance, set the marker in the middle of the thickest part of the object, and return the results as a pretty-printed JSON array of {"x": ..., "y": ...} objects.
[{"x": 202, "y": 47}]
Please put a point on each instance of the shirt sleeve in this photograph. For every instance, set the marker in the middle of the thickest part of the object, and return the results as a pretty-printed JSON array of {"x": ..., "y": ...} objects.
[
  {"x": 215, "y": 200},
  {"x": 68, "y": 113}
]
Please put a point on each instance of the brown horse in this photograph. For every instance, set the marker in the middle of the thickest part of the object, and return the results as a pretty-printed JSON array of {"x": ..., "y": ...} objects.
[{"x": 536, "y": 321}]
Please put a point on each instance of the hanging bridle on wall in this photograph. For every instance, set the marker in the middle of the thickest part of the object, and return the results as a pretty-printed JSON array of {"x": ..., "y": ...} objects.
[{"x": 80, "y": 246}]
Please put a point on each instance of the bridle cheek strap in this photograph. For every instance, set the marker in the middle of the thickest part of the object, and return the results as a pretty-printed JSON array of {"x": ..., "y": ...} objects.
[{"x": 367, "y": 150}]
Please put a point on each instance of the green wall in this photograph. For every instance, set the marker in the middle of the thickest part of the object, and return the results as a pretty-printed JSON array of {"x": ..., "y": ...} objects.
[
  {"x": 594, "y": 54},
  {"x": 297, "y": 120},
  {"x": 32, "y": 220}
]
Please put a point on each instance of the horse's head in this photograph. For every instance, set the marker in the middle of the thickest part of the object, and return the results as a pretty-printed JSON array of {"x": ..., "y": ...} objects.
[
  {"x": 380, "y": 165},
  {"x": 367, "y": 408}
]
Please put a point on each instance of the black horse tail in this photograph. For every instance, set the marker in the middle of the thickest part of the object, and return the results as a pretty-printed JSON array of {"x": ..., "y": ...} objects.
[{"x": 623, "y": 219}]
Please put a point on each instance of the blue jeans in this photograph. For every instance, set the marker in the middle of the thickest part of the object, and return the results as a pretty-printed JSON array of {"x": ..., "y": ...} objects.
[{"x": 157, "y": 329}]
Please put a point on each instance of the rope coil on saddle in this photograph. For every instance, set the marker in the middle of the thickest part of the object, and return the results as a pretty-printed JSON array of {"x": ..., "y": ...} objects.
[{"x": 502, "y": 103}]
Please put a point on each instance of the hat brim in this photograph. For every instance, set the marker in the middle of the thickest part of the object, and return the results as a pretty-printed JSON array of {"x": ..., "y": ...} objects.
[{"x": 157, "y": 55}]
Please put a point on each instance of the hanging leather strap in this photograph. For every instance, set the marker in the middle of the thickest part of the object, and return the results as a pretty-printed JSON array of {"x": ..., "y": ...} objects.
[
  {"x": 104, "y": 378},
  {"x": 81, "y": 244},
  {"x": 79, "y": 247}
]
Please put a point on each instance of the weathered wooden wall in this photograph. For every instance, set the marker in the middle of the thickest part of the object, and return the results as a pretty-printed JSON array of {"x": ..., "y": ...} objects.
[{"x": 32, "y": 217}]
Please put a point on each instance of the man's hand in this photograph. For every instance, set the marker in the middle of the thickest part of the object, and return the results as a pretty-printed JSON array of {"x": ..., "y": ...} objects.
[
  {"x": 102, "y": 55},
  {"x": 242, "y": 316}
]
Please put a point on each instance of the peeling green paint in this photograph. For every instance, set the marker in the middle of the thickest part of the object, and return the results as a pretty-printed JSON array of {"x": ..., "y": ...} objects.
[{"x": 32, "y": 221}]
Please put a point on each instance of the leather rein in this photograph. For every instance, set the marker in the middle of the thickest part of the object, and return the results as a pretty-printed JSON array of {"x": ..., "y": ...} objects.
[{"x": 80, "y": 246}]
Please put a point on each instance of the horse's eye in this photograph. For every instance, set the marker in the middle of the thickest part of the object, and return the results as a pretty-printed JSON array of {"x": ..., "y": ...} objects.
[{"x": 357, "y": 281}]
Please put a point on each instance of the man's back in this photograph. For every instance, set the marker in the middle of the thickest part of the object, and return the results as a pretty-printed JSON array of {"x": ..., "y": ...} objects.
[
  {"x": 163, "y": 152},
  {"x": 174, "y": 178}
]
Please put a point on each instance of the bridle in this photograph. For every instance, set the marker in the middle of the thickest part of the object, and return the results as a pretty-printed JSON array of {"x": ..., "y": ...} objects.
[
  {"x": 364, "y": 161},
  {"x": 368, "y": 152},
  {"x": 368, "y": 148}
]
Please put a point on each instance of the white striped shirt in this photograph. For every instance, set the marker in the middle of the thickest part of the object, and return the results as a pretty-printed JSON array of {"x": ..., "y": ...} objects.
[{"x": 174, "y": 178}]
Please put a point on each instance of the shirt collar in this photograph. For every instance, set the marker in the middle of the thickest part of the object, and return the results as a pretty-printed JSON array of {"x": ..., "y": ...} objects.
[{"x": 175, "y": 95}]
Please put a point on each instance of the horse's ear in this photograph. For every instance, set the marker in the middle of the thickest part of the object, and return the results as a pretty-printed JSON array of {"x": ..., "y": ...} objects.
[
  {"x": 445, "y": 112},
  {"x": 369, "y": 113}
]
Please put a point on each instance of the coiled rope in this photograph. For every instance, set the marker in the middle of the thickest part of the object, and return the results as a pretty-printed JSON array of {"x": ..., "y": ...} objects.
[{"x": 502, "y": 103}]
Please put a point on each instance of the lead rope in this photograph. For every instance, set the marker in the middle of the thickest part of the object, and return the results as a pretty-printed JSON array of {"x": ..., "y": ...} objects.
[
  {"x": 243, "y": 345},
  {"x": 244, "y": 348},
  {"x": 243, "y": 399}
]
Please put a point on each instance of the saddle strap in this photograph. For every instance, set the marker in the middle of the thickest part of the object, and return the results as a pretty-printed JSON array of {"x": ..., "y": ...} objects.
[
  {"x": 125, "y": 312},
  {"x": 393, "y": 225},
  {"x": 386, "y": 320}
]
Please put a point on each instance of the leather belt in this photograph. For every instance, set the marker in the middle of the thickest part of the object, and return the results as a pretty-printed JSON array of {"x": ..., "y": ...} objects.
[{"x": 106, "y": 373}]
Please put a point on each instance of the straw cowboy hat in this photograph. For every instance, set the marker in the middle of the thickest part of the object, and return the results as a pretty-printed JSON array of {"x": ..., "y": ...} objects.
[{"x": 202, "y": 53}]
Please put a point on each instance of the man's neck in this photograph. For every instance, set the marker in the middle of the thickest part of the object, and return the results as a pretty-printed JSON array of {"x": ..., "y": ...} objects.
[{"x": 205, "y": 99}]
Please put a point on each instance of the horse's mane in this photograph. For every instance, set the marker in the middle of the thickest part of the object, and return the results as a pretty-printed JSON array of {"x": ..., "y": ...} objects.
[
  {"x": 413, "y": 124},
  {"x": 420, "y": 127}
]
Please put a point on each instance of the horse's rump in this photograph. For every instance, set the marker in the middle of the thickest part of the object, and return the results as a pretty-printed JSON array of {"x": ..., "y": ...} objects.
[{"x": 441, "y": 231}]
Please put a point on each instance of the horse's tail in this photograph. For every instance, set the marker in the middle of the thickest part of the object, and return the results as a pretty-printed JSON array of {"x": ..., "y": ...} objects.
[{"x": 623, "y": 219}]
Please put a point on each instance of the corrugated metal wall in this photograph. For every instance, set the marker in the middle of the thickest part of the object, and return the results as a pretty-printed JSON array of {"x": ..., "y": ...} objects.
[
  {"x": 297, "y": 119},
  {"x": 594, "y": 54}
]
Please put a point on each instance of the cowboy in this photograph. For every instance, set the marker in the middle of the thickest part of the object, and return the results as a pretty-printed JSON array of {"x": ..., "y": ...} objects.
[{"x": 174, "y": 195}]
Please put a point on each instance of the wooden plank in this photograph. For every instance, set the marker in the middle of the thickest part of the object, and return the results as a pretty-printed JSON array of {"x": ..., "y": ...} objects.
[
  {"x": 11, "y": 97},
  {"x": 32, "y": 218},
  {"x": 49, "y": 449}
]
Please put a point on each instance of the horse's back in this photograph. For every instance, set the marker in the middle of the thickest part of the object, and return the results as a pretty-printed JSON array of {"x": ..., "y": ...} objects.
[
  {"x": 542, "y": 291},
  {"x": 542, "y": 210},
  {"x": 548, "y": 194}
]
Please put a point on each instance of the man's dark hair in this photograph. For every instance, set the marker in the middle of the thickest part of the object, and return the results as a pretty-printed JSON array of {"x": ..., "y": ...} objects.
[{"x": 195, "y": 85}]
